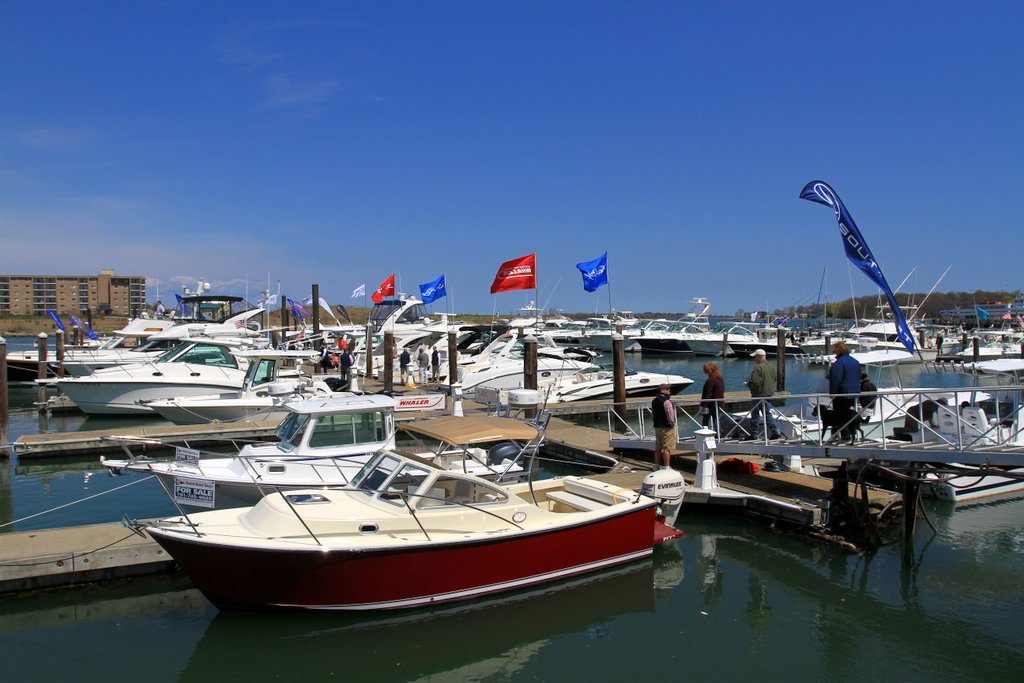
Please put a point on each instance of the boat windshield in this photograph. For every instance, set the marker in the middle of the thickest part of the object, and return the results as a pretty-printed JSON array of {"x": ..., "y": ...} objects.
[
  {"x": 374, "y": 473},
  {"x": 290, "y": 431},
  {"x": 260, "y": 373}
]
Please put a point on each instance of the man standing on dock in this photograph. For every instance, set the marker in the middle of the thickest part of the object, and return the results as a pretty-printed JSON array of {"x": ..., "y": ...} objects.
[
  {"x": 665, "y": 439},
  {"x": 762, "y": 385}
]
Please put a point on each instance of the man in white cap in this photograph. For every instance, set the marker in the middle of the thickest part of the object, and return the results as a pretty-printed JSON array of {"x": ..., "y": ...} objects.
[{"x": 762, "y": 385}]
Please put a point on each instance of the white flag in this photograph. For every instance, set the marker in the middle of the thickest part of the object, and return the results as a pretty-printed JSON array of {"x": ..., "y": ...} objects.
[
  {"x": 753, "y": 316},
  {"x": 359, "y": 291},
  {"x": 324, "y": 306}
]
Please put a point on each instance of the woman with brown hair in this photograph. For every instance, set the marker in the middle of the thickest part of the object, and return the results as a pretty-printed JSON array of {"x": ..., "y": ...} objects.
[{"x": 712, "y": 394}]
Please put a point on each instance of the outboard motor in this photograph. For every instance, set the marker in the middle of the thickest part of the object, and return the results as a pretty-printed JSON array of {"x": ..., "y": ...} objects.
[
  {"x": 666, "y": 487},
  {"x": 500, "y": 452}
]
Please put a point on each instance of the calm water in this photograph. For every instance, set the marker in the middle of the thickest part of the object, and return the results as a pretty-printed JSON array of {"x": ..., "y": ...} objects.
[{"x": 731, "y": 599}]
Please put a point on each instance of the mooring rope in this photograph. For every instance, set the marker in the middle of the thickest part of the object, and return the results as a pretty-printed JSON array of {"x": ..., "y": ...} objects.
[{"x": 76, "y": 502}]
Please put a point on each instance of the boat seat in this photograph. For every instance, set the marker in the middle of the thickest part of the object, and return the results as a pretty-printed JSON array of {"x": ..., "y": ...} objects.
[{"x": 575, "y": 500}]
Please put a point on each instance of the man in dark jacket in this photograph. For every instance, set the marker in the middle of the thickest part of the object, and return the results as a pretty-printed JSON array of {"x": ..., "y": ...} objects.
[
  {"x": 665, "y": 437},
  {"x": 844, "y": 385},
  {"x": 762, "y": 383}
]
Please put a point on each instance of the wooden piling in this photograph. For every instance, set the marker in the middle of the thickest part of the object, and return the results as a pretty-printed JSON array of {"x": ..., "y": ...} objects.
[
  {"x": 780, "y": 358},
  {"x": 975, "y": 343},
  {"x": 41, "y": 344},
  {"x": 910, "y": 501},
  {"x": 530, "y": 369},
  {"x": 4, "y": 414},
  {"x": 389, "y": 361},
  {"x": 319, "y": 343},
  {"x": 60, "y": 352},
  {"x": 725, "y": 344},
  {"x": 284, "y": 316},
  {"x": 619, "y": 375},
  {"x": 963, "y": 341},
  {"x": 368, "y": 345},
  {"x": 453, "y": 358}
]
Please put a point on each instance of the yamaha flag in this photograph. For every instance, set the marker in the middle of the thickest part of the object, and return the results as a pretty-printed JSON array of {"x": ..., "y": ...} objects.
[
  {"x": 433, "y": 290},
  {"x": 595, "y": 273},
  {"x": 519, "y": 273},
  {"x": 858, "y": 252}
]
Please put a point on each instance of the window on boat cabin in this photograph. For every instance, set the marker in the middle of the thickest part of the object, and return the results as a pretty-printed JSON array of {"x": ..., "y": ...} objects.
[
  {"x": 377, "y": 471},
  {"x": 406, "y": 482},
  {"x": 290, "y": 431},
  {"x": 452, "y": 490},
  {"x": 262, "y": 372},
  {"x": 208, "y": 354},
  {"x": 347, "y": 429}
]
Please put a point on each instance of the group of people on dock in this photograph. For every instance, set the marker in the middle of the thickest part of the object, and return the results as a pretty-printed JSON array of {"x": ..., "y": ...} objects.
[{"x": 850, "y": 390}]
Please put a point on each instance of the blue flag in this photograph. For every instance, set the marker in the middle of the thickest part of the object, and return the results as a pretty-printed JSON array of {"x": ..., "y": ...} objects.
[
  {"x": 595, "y": 273},
  {"x": 857, "y": 251},
  {"x": 433, "y": 290},
  {"x": 56, "y": 319},
  {"x": 82, "y": 325},
  {"x": 982, "y": 313},
  {"x": 297, "y": 309}
]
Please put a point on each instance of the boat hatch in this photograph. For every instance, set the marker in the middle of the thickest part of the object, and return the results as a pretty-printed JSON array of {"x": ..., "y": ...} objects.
[{"x": 305, "y": 498}]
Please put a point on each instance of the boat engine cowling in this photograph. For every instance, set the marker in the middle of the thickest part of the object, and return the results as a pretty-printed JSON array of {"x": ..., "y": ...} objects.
[
  {"x": 500, "y": 452},
  {"x": 665, "y": 486}
]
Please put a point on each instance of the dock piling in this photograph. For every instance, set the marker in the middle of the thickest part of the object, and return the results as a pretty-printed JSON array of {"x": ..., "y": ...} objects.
[
  {"x": 619, "y": 375},
  {"x": 4, "y": 414}
]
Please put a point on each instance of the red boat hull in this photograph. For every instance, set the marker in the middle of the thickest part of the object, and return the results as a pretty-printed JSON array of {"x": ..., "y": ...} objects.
[{"x": 245, "y": 578}]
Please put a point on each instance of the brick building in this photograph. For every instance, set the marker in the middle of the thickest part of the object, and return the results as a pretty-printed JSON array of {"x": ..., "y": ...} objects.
[{"x": 74, "y": 294}]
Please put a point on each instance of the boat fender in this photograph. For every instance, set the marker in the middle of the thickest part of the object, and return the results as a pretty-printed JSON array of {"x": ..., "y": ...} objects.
[{"x": 500, "y": 452}]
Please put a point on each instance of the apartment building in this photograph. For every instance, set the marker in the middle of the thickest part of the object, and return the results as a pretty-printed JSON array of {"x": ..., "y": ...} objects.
[{"x": 106, "y": 293}]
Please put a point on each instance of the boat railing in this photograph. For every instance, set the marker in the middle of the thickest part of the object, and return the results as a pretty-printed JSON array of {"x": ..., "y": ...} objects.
[{"x": 958, "y": 418}]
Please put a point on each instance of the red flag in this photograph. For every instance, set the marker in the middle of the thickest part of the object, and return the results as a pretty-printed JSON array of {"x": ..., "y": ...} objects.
[
  {"x": 1007, "y": 316},
  {"x": 386, "y": 288},
  {"x": 519, "y": 273}
]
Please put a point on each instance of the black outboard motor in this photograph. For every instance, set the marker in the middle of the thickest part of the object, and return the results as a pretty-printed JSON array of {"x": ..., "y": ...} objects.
[{"x": 499, "y": 452}]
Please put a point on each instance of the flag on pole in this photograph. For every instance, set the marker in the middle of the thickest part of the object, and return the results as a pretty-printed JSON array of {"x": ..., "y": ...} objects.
[
  {"x": 432, "y": 291},
  {"x": 857, "y": 251},
  {"x": 324, "y": 306},
  {"x": 519, "y": 273},
  {"x": 1007, "y": 316},
  {"x": 82, "y": 325},
  {"x": 359, "y": 291},
  {"x": 300, "y": 312},
  {"x": 386, "y": 288},
  {"x": 753, "y": 316},
  {"x": 595, "y": 273},
  {"x": 344, "y": 314},
  {"x": 56, "y": 319},
  {"x": 982, "y": 313}
]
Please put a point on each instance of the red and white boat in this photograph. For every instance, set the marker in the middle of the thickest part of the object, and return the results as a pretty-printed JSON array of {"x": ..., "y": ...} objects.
[{"x": 406, "y": 534}]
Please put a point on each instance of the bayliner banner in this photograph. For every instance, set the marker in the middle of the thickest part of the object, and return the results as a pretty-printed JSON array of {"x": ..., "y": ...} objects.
[
  {"x": 519, "y": 273},
  {"x": 595, "y": 273},
  {"x": 857, "y": 251}
]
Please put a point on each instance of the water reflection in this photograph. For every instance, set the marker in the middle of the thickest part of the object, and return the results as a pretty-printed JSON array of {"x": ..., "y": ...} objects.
[{"x": 481, "y": 639}]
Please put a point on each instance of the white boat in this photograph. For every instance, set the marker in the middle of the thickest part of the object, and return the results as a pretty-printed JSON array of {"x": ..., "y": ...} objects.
[
  {"x": 196, "y": 366},
  {"x": 600, "y": 384},
  {"x": 500, "y": 366},
  {"x": 989, "y": 419},
  {"x": 272, "y": 379},
  {"x": 324, "y": 443}
]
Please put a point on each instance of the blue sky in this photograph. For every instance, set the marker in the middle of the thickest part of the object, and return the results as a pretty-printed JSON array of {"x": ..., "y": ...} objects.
[{"x": 338, "y": 142}]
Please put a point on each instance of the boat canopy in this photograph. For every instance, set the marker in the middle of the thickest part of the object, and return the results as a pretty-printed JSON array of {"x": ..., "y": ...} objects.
[{"x": 462, "y": 431}]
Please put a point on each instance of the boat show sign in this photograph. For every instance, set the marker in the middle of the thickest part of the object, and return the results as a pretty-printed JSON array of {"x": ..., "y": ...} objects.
[
  {"x": 182, "y": 454},
  {"x": 519, "y": 273},
  {"x": 858, "y": 252}
]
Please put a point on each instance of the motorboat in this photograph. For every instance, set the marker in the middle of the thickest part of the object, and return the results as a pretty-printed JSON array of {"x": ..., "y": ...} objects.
[
  {"x": 986, "y": 419},
  {"x": 406, "y": 533},
  {"x": 272, "y": 379},
  {"x": 324, "y": 442},
  {"x": 600, "y": 384},
  {"x": 196, "y": 366},
  {"x": 501, "y": 365}
]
